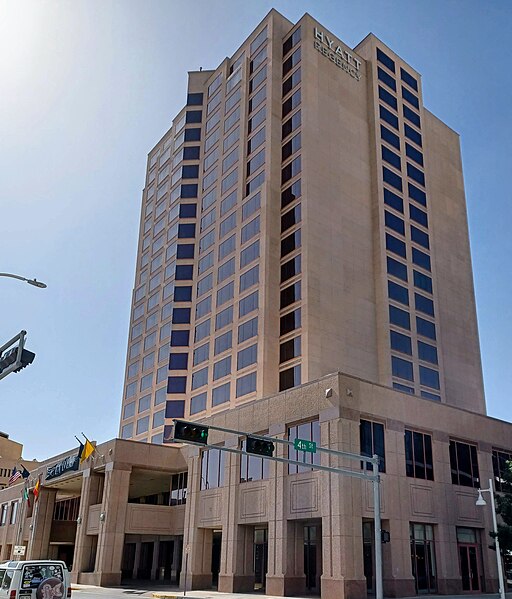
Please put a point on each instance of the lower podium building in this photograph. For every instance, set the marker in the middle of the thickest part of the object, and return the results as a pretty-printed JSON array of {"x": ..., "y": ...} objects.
[{"x": 203, "y": 518}]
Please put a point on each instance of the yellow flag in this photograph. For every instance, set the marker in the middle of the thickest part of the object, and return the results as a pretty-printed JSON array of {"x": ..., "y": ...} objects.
[{"x": 87, "y": 450}]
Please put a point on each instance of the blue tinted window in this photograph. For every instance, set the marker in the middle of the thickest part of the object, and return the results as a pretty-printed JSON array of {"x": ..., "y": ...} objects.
[
  {"x": 414, "y": 154},
  {"x": 188, "y": 210},
  {"x": 189, "y": 190},
  {"x": 185, "y": 250},
  {"x": 421, "y": 281},
  {"x": 427, "y": 352},
  {"x": 417, "y": 194},
  {"x": 424, "y": 304},
  {"x": 410, "y": 97},
  {"x": 416, "y": 174},
  {"x": 390, "y": 137},
  {"x": 192, "y": 134},
  {"x": 395, "y": 245},
  {"x": 391, "y": 178},
  {"x": 197, "y": 99},
  {"x": 399, "y": 317},
  {"x": 387, "y": 97},
  {"x": 412, "y": 134},
  {"x": 391, "y": 199},
  {"x": 394, "y": 222},
  {"x": 418, "y": 215},
  {"x": 425, "y": 328},
  {"x": 194, "y": 116},
  {"x": 182, "y": 294},
  {"x": 174, "y": 409},
  {"x": 421, "y": 259},
  {"x": 190, "y": 171},
  {"x": 429, "y": 377},
  {"x": 388, "y": 116},
  {"x": 397, "y": 269},
  {"x": 178, "y": 362},
  {"x": 402, "y": 369},
  {"x": 428, "y": 395},
  {"x": 409, "y": 79},
  {"x": 386, "y": 79},
  {"x": 419, "y": 237},
  {"x": 410, "y": 115},
  {"x": 191, "y": 153},
  {"x": 398, "y": 293},
  {"x": 198, "y": 403},
  {"x": 184, "y": 272},
  {"x": 385, "y": 60},
  {"x": 403, "y": 388},
  {"x": 401, "y": 343},
  {"x": 181, "y": 315},
  {"x": 177, "y": 384},
  {"x": 186, "y": 230},
  {"x": 179, "y": 338},
  {"x": 391, "y": 157}
]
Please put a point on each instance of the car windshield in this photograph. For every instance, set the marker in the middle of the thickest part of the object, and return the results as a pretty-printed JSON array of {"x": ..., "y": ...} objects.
[
  {"x": 34, "y": 574},
  {"x": 6, "y": 581}
]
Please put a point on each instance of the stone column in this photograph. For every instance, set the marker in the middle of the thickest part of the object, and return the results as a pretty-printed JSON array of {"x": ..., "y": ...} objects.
[
  {"x": 154, "y": 565},
  {"x": 42, "y": 524},
  {"x": 281, "y": 576},
  {"x": 233, "y": 576},
  {"x": 197, "y": 542},
  {"x": 342, "y": 537},
  {"x": 136, "y": 560},
  {"x": 83, "y": 541},
  {"x": 112, "y": 524}
]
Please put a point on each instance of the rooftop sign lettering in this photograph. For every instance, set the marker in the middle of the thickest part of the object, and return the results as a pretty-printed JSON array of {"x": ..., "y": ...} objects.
[{"x": 337, "y": 54}]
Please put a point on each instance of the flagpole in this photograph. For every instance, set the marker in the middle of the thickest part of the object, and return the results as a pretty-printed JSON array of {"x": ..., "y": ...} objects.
[
  {"x": 35, "y": 513},
  {"x": 19, "y": 528}
]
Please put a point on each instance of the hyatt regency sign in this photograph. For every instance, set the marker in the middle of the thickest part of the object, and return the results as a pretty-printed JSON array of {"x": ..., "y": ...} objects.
[{"x": 337, "y": 54}]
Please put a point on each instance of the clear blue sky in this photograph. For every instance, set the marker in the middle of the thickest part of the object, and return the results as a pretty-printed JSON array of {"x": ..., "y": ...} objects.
[{"x": 88, "y": 87}]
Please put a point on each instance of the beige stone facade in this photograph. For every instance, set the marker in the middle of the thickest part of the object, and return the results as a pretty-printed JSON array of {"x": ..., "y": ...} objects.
[{"x": 305, "y": 212}]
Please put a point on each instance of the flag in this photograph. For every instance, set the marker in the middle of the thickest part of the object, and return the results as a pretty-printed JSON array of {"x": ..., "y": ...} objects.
[
  {"x": 16, "y": 475},
  {"x": 35, "y": 492},
  {"x": 26, "y": 496},
  {"x": 86, "y": 450},
  {"x": 25, "y": 473}
]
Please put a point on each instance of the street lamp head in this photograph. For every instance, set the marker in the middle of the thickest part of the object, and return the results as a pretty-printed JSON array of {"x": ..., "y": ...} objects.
[
  {"x": 480, "y": 500},
  {"x": 36, "y": 283}
]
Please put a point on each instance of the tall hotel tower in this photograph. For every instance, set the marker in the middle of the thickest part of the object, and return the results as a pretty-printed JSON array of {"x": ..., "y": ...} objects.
[{"x": 304, "y": 215}]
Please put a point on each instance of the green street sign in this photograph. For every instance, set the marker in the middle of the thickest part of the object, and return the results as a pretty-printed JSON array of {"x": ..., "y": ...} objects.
[{"x": 303, "y": 445}]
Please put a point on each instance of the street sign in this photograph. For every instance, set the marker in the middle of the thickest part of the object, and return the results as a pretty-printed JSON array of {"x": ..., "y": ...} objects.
[
  {"x": 19, "y": 549},
  {"x": 304, "y": 445}
]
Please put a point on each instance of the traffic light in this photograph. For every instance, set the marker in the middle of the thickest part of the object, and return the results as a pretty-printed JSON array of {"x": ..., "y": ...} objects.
[
  {"x": 190, "y": 432},
  {"x": 10, "y": 357},
  {"x": 259, "y": 446},
  {"x": 385, "y": 536}
]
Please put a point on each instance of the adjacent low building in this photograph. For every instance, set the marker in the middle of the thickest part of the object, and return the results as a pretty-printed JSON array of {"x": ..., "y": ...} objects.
[{"x": 143, "y": 511}]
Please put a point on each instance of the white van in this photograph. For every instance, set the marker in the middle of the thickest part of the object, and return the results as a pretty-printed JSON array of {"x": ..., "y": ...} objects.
[{"x": 34, "y": 579}]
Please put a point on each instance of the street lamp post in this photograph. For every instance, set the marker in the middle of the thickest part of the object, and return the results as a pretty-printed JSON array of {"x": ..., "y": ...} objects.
[
  {"x": 33, "y": 282},
  {"x": 481, "y": 501}
]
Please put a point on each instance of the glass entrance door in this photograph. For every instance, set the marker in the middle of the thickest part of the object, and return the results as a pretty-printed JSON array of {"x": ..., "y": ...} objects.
[
  {"x": 310, "y": 557},
  {"x": 469, "y": 568},
  {"x": 369, "y": 554},
  {"x": 260, "y": 558},
  {"x": 423, "y": 559},
  {"x": 216, "y": 548}
]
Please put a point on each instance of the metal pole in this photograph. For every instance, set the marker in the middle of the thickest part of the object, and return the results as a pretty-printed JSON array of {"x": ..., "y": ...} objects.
[
  {"x": 378, "y": 531},
  {"x": 498, "y": 552}
]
